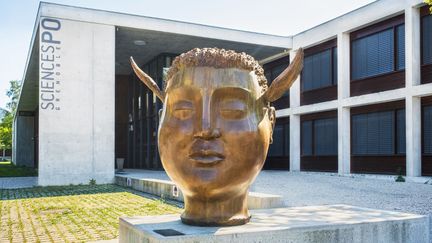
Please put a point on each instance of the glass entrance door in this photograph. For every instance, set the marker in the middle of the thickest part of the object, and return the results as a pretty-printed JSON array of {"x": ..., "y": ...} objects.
[{"x": 143, "y": 118}]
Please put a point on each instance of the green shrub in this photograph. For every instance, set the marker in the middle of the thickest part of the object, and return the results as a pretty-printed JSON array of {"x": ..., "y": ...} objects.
[
  {"x": 92, "y": 182},
  {"x": 400, "y": 177}
]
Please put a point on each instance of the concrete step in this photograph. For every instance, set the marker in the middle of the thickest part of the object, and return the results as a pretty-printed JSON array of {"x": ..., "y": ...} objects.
[{"x": 166, "y": 189}]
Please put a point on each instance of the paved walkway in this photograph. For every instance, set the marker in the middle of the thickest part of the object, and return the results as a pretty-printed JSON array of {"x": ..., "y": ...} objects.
[
  {"x": 17, "y": 182},
  {"x": 303, "y": 189}
]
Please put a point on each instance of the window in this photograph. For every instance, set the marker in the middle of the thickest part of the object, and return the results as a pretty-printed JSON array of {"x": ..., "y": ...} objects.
[
  {"x": 426, "y": 28},
  {"x": 375, "y": 133},
  {"x": 320, "y": 70},
  {"x": 306, "y": 138},
  {"x": 273, "y": 69},
  {"x": 374, "y": 54},
  {"x": 319, "y": 137},
  {"x": 400, "y": 47},
  {"x": 280, "y": 145},
  {"x": 325, "y": 137},
  {"x": 427, "y": 130},
  {"x": 401, "y": 133}
]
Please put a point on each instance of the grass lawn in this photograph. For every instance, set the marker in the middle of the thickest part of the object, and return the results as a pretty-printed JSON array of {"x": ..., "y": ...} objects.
[
  {"x": 70, "y": 213},
  {"x": 7, "y": 169}
]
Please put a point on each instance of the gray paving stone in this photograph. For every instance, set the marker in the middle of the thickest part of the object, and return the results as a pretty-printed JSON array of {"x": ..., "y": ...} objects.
[{"x": 17, "y": 182}]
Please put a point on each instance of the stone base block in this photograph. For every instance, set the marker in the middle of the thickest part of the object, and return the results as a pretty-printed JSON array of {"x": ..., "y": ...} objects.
[
  {"x": 334, "y": 223},
  {"x": 168, "y": 190}
]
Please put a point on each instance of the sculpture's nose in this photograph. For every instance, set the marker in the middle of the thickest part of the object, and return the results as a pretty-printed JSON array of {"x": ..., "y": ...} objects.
[
  {"x": 206, "y": 127},
  {"x": 208, "y": 134}
]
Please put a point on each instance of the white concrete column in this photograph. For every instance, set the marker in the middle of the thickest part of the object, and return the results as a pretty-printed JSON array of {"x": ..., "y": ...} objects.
[
  {"x": 294, "y": 123},
  {"x": 344, "y": 141},
  {"x": 344, "y": 115},
  {"x": 295, "y": 143},
  {"x": 412, "y": 46},
  {"x": 412, "y": 104},
  {"x": 413, "y": 136},
  {"x": 295, "y": 88},
  {"x": 343, "y": 56}
]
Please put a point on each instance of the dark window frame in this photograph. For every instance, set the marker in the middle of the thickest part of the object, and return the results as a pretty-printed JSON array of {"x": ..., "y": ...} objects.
[
  {"x": 284, "y": 101},
  {"x": 394, "y": 107},
  {"x": 280, "y": 162},
  {"x": 384, "y": 81},
  {"x": 395, "y": 54},
  {"x": 284, "y": 122},
  {"x": 142, "y": 150},
  {"x": 426, "y": 69},
  {"x": 313, "y": 117},
  {"x": 382, "y": 164},
  {"x": 425, "y": 102},
  {"x": 426, "y": 158},
  {"x": 326, "y": 93},
  {"x": 323, "y": 163}
]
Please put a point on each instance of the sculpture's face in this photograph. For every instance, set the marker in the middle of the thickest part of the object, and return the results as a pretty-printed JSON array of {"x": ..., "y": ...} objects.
[{"x": 214, "y": 133}]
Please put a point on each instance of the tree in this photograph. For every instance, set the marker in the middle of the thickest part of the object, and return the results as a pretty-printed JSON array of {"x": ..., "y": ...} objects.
[
  {"x": 13, "y": 94},
  {"x": 6, "y": 132},
  {"x": 6, "y": 122},
  {"x": 5, "y": 139},
  {"x": 429, "y": 2}
]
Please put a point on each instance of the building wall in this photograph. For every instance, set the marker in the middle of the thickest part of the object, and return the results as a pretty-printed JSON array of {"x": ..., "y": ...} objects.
[
  {"x": 77, "y": 92},
  {"x": 24, "y": 141},
  {"x": 76, "y": 102},
  {"x": 410, "y": 93}
]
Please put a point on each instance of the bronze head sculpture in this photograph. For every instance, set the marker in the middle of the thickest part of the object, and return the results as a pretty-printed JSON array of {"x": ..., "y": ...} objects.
[{"x": 215, "y": 129}]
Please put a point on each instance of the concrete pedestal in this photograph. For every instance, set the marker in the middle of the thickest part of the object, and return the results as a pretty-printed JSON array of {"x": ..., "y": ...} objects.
[{"x": 334, "y": 223}]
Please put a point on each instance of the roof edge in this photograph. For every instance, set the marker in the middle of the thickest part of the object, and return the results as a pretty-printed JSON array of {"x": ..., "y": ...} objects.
[{"x": 29, "y": 53}]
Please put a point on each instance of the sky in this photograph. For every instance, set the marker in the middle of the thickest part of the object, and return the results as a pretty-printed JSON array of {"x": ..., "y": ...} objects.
[{"x": 278, "y": 17}]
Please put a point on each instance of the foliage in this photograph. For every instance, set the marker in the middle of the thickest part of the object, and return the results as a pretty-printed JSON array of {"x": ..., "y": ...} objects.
[
  {"x": 400, "y": 177},
  {"x": 6, "y": 131},
  {"x": 6, "y": 122},
  {"x": 429, "y": 2},
  {"x": 5, "y": 136},
  {"x": 92, "y": 182},
  {"x": 13, "y": 94}
]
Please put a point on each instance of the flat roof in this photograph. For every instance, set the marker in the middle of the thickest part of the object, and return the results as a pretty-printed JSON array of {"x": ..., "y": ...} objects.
[{"x": 128, "y": 26}]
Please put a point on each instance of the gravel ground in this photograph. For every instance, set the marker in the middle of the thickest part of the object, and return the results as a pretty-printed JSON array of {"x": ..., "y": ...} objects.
[{"x": 302, "y": 189}]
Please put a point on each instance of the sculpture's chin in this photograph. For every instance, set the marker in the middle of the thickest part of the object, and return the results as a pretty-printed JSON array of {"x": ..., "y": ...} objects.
[
  {"x": 222, "y": 211},
  {"x": 212, "y": 222}
]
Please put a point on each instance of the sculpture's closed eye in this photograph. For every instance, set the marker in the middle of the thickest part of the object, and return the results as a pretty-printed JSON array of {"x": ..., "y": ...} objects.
[
  {"x": 183, "y": 110},
  {"x": 233, "y": 109}
]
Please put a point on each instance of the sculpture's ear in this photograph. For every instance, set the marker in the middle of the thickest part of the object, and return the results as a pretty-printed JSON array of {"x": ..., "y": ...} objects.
[
  {"x": 160, "y": 113},
  {"x": 272, "y": 117},
  {"x": 147, "y": 80},
  {"x": 284, "y": 81}
]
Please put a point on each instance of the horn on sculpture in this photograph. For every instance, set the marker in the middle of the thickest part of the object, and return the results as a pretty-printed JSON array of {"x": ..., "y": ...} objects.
[
  {"x": 147, "y": 80},
  {"x": 284, "y": 81}
]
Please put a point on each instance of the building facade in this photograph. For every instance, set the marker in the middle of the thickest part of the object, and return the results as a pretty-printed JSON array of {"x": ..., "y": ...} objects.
[{"x": 363, "y": 103}]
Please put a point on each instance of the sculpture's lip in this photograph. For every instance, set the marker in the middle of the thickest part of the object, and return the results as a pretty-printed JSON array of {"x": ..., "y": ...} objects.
[{"x": 207, "y": 157}]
